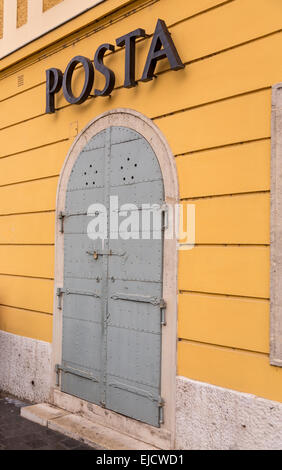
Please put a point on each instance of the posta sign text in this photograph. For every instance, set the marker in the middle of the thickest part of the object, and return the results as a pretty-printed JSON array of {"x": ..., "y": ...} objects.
[{"x": 162, "y": 47}]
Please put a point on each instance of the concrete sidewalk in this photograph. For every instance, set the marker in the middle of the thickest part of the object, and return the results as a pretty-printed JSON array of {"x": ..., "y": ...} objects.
[{"x": 17, "y": 433}]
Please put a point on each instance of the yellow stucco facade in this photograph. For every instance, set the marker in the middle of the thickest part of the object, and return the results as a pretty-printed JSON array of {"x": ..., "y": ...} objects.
[{"x": 216, "y": 117}]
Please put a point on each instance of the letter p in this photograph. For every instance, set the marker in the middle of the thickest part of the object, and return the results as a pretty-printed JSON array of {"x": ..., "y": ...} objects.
[{"x": 54, "y": 81}]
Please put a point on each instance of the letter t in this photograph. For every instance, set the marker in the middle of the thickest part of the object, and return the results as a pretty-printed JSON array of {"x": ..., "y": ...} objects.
[{"x": 129, "y": 41}]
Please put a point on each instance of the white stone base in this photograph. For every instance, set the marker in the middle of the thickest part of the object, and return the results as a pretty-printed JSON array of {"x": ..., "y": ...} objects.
[
  {"x": 25, "y": 367},
  {"x": 214, "y": 418},
  {"x": 157, "y": 437},
  {"x": 79, "y": 428},
  {"x": 207, "y": 417}
]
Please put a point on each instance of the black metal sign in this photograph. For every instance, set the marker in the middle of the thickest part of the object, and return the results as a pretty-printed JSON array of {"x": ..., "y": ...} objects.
[{"x": 162, "y": 47}]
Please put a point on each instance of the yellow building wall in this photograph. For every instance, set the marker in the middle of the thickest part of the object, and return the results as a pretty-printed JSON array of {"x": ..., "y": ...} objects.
[{"x": 216, "y": 116}]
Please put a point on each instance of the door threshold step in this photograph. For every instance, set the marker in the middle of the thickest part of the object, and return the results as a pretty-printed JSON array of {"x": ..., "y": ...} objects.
[{"x": 81, "y": 429}]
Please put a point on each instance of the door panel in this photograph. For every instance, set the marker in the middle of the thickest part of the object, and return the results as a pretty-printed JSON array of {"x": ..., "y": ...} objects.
[
  {"x": 82, "y": 314},
  {"x": 113, "y": 287}
]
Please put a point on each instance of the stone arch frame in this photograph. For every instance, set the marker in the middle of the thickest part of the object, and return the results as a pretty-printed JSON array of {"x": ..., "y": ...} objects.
[{"x": 144, "y": 126}]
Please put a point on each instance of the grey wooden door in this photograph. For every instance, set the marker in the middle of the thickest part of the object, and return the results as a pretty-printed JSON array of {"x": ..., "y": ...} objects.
[{"x": 112, "y": 291}]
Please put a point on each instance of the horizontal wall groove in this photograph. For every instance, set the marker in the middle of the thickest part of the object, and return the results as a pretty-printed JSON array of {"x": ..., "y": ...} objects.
[
  {"x": 208, "y": 103},
  {"x": 218, "y": 294},
  {"x": 26, "y": 309},
  {"x": 51, "y": 211},
  {"x": 228, "y": 245},
  {"x": 226, "y": 348},
  {"x": 27, "y": 244},
  {"x": 34, "y": 148},
  {"x": 156, "y": 118},
  {"x": 24, "y": 276},
  {"x": 236, "y": 46},
  {"x": 203, "y": 12},
  {"x": 22, "y": 122},
  {"x": 218, "y": 147},
  {"x": 16, "y": 183},
  {"x": 216, "y": 196},
  {"x": 22, "y": 92}
]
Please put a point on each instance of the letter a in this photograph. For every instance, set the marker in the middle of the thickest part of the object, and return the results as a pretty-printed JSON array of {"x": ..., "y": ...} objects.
[{"x": 162, "y": 47}]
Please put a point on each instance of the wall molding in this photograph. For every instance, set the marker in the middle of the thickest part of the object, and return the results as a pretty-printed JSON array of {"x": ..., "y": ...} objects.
[{"x": 276, "y": 229}]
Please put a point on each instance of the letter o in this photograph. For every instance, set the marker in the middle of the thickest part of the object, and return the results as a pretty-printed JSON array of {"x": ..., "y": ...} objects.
[{"x": 88, "y": 83}]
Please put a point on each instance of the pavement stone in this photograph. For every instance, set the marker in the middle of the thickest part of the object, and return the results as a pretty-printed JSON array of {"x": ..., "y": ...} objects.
[{"x": 17, "y": 433}]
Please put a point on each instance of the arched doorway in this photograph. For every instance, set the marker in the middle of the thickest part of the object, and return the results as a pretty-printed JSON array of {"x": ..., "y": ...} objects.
[{"x": 113, "y": 345}]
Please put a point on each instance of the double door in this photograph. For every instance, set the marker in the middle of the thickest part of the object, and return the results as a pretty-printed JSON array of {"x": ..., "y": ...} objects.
[{"x": 111, "y": 301}]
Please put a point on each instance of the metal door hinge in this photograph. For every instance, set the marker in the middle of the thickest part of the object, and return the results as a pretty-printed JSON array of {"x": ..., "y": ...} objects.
[
  {"x": 60, "y": 292},
  {"x": 61, "y": 219},
  {"x": 63, "y": 215},
  {"x": 77, "y": 373},
  {"x": 138, "y": 298},
  {"x": 165, "y": 217},
  {"x": 146, "y": 299},
  {"x": 163, "y": 312},
  {"x": 57, "y": 370},
  {"x": 161, "y": 411}
]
